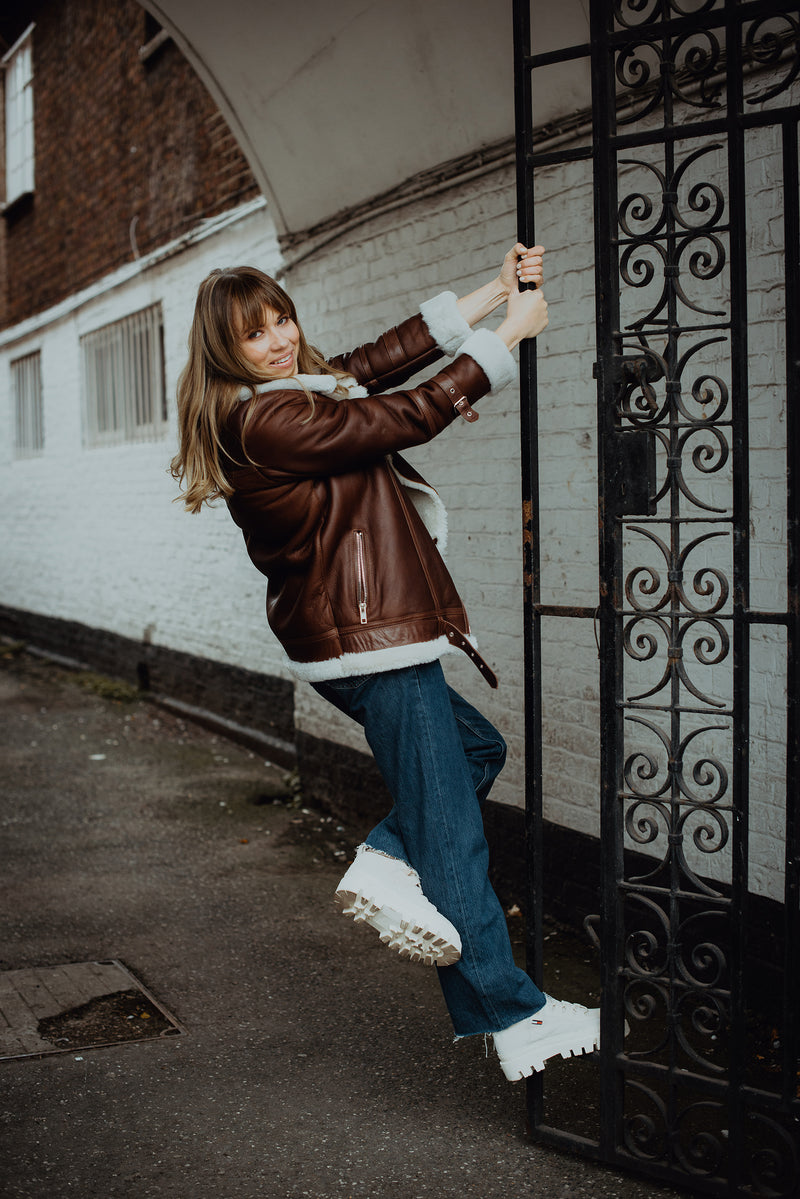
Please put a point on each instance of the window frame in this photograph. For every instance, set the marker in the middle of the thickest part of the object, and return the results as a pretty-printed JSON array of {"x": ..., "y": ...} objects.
[{"x": 20, "y": 145}]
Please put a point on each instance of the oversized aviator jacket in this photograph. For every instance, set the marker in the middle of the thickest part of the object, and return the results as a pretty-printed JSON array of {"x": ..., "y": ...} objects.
[{"x": 349, "y": 536}]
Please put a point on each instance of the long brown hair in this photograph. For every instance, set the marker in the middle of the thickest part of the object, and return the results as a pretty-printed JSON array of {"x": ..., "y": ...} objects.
[{"x": 210, "y": 385}]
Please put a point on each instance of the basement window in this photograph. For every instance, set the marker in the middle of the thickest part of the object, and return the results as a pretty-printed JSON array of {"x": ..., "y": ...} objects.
[
  {"x": 26, "y": 391},
  {"x": 123, "y": 378},
  {"x": 17, "y": 67}
]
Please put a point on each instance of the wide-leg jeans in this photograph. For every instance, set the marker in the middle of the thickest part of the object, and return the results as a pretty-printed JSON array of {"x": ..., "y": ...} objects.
[{"x": 439, "y": 757}]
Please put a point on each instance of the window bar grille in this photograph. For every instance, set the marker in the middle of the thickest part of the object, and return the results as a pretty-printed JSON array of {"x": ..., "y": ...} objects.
[
  {"x": 29, "y": 423},
  {"x": 124, "y": 380}
]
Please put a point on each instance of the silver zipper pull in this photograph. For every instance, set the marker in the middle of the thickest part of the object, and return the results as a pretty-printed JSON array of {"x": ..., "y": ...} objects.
[{"x": 361, "y": 570}]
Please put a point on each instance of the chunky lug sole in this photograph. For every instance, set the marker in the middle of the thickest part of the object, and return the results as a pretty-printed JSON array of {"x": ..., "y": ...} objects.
[
  {"x": 521, "y": 1065},
  {"x": 412, "y": 940}
]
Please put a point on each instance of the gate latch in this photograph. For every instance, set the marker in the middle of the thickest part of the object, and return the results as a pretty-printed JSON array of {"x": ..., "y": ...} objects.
[
  {"x": 629, "y": 451},
  {"x": 630, "y": 472}
]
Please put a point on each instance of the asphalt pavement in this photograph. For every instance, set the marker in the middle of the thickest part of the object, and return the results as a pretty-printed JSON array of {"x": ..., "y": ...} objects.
[{"x": 310, "y": 1060}]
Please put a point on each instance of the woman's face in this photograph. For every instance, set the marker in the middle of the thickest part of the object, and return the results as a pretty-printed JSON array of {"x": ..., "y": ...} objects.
[{"x": 271, "y": 346}]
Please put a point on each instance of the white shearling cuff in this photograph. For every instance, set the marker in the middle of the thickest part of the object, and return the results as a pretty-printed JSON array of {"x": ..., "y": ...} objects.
[
  {"x": 445, "y": 323},
  {"x": 493, "y": 357}
]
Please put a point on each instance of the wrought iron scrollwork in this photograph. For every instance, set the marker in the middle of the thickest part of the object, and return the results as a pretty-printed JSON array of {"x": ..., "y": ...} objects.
[
  {"x": 675, "y": 608},
  {"x": 673, "y": 234},
  {"x": 676, "y": 233},
  {"x": 708, "y": 582},
  {"x": 688, "y": 69},
  {"x": 688, "y": 72},
  {"x": 773, "y": 1155},
  {"x": 686, "y": 95},
  {"x": 631, "y": 14},
  {"x": 768, "y": 46}
]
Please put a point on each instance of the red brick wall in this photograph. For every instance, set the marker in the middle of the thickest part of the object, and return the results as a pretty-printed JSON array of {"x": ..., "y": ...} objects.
[{"x": 124, "y": 149}]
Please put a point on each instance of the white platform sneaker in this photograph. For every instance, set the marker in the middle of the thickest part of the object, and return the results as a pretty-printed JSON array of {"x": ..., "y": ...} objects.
[
  {"x": 566, "y": 1028},
  {"x": 386, "y": 894}
]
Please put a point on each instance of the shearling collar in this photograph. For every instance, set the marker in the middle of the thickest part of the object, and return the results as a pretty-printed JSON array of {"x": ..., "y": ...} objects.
[{"x": 321, "y": 384}]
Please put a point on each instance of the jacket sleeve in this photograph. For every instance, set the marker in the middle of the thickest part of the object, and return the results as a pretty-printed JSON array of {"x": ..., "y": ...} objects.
[
  {"x": 401, "y": 352},
  {"x": 342, "y": 435}
]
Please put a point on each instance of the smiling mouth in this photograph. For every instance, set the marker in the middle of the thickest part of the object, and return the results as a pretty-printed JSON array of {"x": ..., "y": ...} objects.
[{"x": 285, "y": 361}]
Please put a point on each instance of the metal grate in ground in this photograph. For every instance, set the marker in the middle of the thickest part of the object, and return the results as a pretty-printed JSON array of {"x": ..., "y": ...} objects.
[{"x": 81, "y": 1005}]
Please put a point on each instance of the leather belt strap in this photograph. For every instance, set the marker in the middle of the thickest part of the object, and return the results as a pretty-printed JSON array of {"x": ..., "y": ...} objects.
[
  {"x": 457, "y": 638},
  {"x": 460, "y": 403},
  {"x": 464, "y": 409}
]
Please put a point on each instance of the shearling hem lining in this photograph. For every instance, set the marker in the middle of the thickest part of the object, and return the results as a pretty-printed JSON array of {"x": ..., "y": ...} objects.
[
  {"x": 493, "y": 357},
  {"x": 445, "y": 323},
  {"x": 428, "y": 504},
  {"x": 373, "y": 661}
]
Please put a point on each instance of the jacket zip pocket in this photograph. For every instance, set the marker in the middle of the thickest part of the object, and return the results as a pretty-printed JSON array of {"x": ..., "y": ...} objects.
[{"x": 361, "y": 576}]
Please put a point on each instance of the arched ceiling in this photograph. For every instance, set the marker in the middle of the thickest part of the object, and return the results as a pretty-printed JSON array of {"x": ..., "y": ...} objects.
[{"x": 336, "y": 101}]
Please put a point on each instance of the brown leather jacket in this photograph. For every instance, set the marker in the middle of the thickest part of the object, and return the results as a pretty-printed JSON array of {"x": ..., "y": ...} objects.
[{"x": 330, "y": 512}]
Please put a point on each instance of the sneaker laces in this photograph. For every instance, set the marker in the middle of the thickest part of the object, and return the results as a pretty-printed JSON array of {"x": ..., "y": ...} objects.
[{"x": 562, "y": 1006}]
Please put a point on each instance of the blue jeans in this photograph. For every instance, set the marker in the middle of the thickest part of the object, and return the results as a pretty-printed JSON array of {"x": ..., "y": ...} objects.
[{"x": 439, "y": 758}]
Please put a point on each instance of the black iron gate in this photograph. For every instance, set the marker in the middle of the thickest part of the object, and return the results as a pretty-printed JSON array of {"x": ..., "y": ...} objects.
[{"x": 692, "y": 145}]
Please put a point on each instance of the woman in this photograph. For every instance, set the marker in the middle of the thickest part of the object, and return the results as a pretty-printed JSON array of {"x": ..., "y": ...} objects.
[{"x": 306, "y": 453}]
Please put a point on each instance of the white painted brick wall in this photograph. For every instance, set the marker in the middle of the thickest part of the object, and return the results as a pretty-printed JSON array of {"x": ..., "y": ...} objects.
[{"x": 92, "y": 535}]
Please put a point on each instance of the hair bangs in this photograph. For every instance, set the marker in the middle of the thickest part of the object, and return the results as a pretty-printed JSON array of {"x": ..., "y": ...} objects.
[{"x": 251, "y": 301}]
